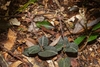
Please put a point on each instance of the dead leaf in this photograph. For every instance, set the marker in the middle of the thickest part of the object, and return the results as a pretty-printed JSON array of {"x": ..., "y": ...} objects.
[
  {"x": 4, "y": 7},
  {"x": 32, "y": 61},
  {"x": 40, "y": 12},
  {"x": 11, "y": 40},
  {"x": 32, "y": 27},
  {"x": 74, "y": 62},
  {"x": 30, "y": 42},
  {"x": 14, "y": 21},
  {"x": 56, "y": 64},
  {"x": 49, "y": 15},
  {"x": 78, "y": 26},
  {"x": 47, "y": 30},
  {"x": 50, "y": 63},
  {"x": 38, "y": 18},
  {"x": 15, "y": 64},
  {"x": 56, "y": 22},
  {"x": 55, "y": 41}
]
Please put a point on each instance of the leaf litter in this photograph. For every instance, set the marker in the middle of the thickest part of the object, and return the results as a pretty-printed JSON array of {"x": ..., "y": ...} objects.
[{"x": 61, "y": 28}]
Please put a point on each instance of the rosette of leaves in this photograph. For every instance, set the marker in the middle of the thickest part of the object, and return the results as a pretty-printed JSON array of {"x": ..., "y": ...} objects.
[
  {"x": 66, "y": 46},
  {"x": 43, "y": 49}
]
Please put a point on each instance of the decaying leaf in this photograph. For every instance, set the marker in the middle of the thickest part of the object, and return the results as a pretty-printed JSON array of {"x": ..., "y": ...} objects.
[
  {"x": 30, "y": 42},
  {"x": 39, "y": 18},
  {"x": 4, "y": 7},
  {"x": 78, "y": 26},
  {"x": 32, "y": 27},
  {"x": 51, "y": 63},
  {"x": 50, "y": 16},
  {"x": 11, "y": 40},
  {"x": 14, "y": 21},
  {"x": 15, "y": 64},
  {"x": 74, "y": 62}
]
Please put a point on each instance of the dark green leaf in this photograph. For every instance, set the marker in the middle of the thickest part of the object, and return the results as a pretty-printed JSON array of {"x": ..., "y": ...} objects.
[
  {"x": 47, "y": 53},
  {"x": 26, "y": 52},
  {"x": 79, "y": 39},
  {"x": 63, "y": 41},
  {"x": 92, "y": 37},
  {"x": 96, "y": 27},
  {"x": 32, "y": 50},
  {"x": 59, "y": 47},
  {"x": 43, "y": 41},
  {"x": 45, "y": 24},
  {"x": 66, "y": 41},
  {"x": 50, "y": 48},
  {"x": 71, "y": 48},
  {"x": 64, "y": 62}
]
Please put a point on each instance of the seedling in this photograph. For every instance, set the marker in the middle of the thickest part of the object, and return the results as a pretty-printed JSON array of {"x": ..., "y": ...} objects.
[{"x": 44, "y": 50}]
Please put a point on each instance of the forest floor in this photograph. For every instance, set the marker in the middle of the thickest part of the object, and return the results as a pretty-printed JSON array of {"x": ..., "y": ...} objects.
[{"x": 63, "y": 22}]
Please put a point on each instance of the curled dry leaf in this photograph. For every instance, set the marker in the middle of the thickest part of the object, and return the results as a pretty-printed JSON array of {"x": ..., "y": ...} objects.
[
  {"x": 14, "y": 21},
  {"x": 56, "y": 22},
  {"x": 30, "y": 42},
  {"x": 11, "y": 40},
  {"x": 40, "y": 12},
  {"x": 15, "y": 64},
  {"x": 49, "y": 15}
]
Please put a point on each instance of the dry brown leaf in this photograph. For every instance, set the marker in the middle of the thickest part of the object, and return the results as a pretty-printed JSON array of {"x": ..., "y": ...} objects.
[
  {"x": 56, "y": 22},
  {"x": 47, "y": 30},
  {"x": 50, "y": 63},
  {"x": 55, "y": 41},
  {"x": 35, "y": 65},
  {"x": 50, "y": 16},
  {"x": 74, "y": 62},
  {"x": 56, "y": 64},
  {"x": 15, "y": 64},
  {"x": 30, "y": 42},
  {"x": 11, "y": 39},
  {"x": 32, "y": 61}
]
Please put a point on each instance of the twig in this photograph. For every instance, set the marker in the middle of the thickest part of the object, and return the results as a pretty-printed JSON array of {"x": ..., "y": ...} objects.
[
  {"x": 56, "y": 1},
  {"x": 49, "y": 31},
  {"x": 59, "y": 17}
]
